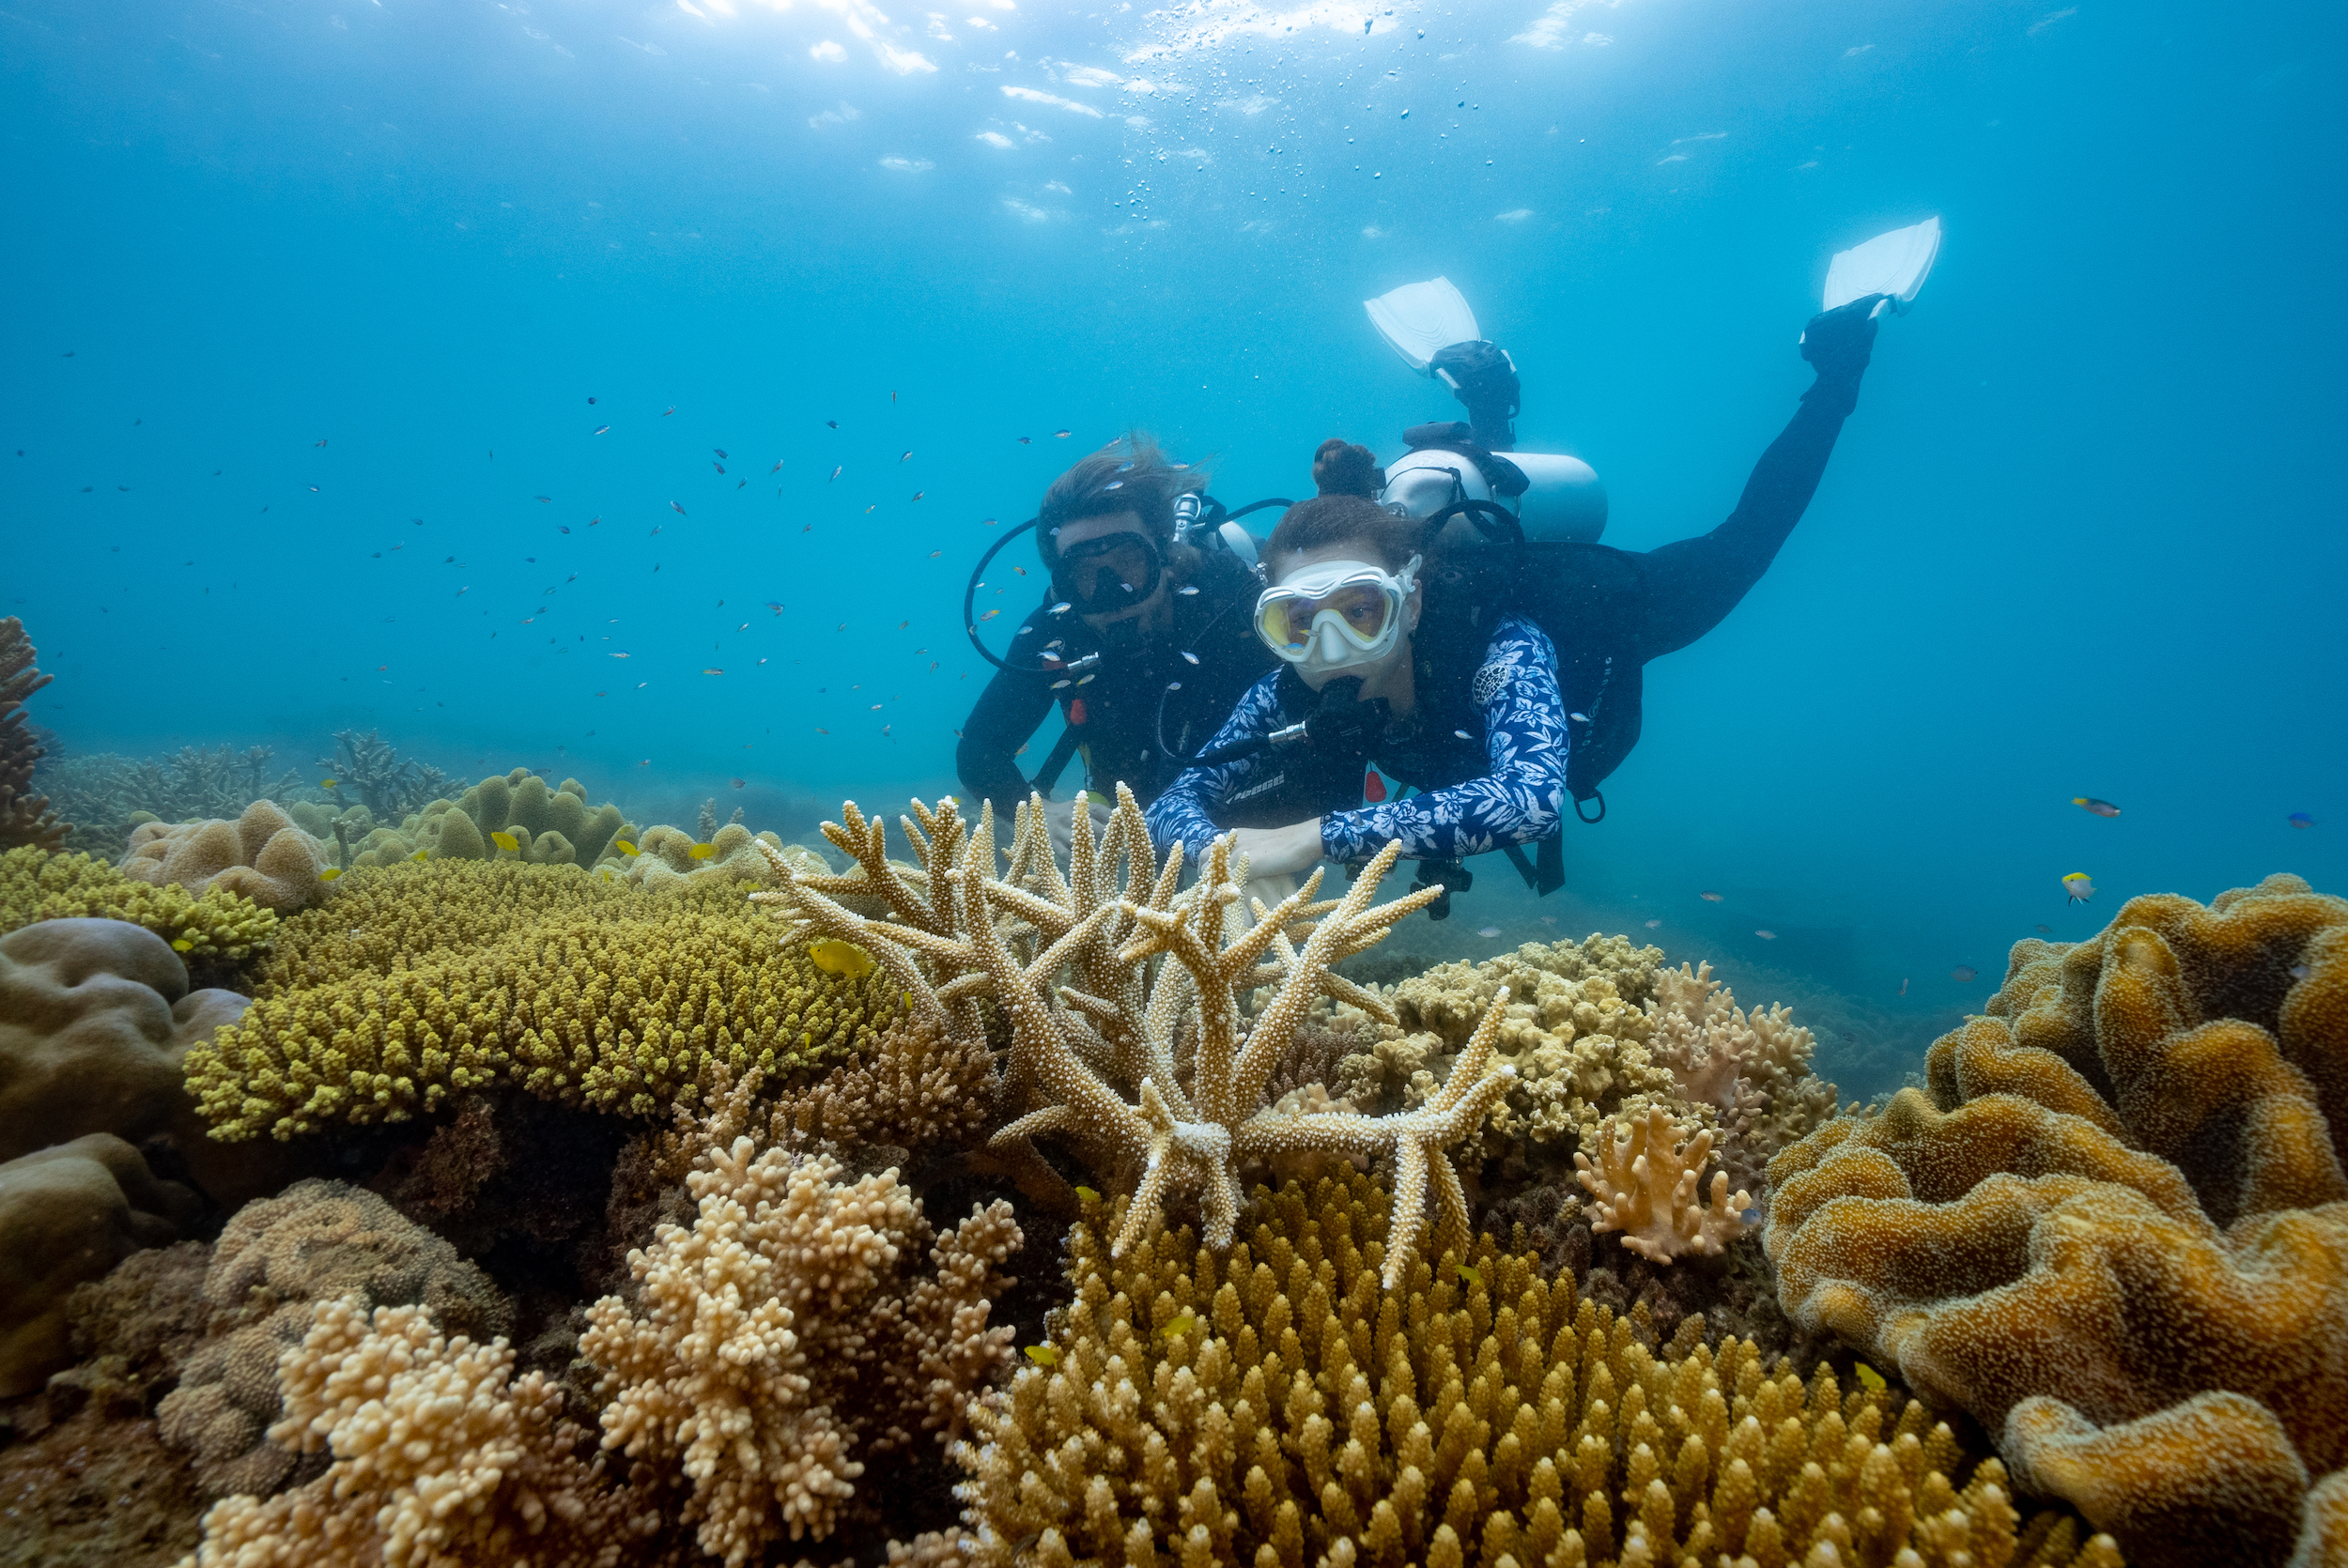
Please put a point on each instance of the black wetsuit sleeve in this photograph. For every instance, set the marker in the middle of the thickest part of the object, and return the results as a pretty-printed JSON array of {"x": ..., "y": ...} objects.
[
  {"x": 1008, "y": 712},
  {"x": 1690, "y": 586}
]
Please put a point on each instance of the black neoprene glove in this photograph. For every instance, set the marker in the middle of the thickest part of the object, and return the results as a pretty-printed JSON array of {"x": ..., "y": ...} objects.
[{"x": 1839, "y": 341}]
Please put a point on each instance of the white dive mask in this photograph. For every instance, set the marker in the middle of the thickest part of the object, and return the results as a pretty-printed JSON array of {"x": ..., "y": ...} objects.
[{"x": 1336, "y": 615}]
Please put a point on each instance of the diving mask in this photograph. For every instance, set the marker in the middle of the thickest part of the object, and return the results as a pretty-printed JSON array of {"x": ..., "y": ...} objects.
[
  {"x": 1114, "y": 572},
  {"x": 1336, "y": 615}
]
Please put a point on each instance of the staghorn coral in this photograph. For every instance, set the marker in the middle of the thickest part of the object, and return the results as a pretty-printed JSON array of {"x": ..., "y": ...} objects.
[
  {"x": 96, "y": 1021},
  {"x": 552, "y": 824},
  {"x": 277, "y": 1259},
  {"x": 782, "y": 1343},
  {"x": 1645, "y": 1184},
  {"x": 24, "y": 817},
  {"x": 1278, "y": 1407},
  {"x": 368, "y": 769},
  {"x": 109, "y": 795},
  {"x": 261, "y": 855},
  {"x": 2116, "y": 1230},
  {"x": 1169, "y": 1036},
  {"x": 420, "y": 981},
  {"x": 442, "y": 1458},
  {"x": 67, "y": 1214},
  {"x": 221, "y": 925}
]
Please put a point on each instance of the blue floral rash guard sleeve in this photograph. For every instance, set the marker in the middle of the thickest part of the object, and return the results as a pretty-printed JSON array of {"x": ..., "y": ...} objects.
[{"x": 1518, "y": 801}]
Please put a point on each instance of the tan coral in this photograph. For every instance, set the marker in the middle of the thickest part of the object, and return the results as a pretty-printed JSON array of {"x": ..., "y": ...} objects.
[
  {"x": 1752, "y": 1069},
  {"x": 780, "y": 1343},
  {"x": 1645, "y": 1184},
  {"x": 261, "y": 855},
  {"x": 1093, "y": 1022},
  {"x": 2116, "y": 1230},
  {"x": 1280, "y": 1406},
  {"x": 442, "y": 1458},
  {"x": 665, "y": 856}
]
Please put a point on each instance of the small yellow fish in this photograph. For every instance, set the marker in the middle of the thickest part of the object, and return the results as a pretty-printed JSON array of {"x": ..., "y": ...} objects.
[
  {"x": 2079, "y": 885},
  {"x": 700, "y": 852},
  {"x": 505, "y": 840},
  {"x": 419, "y": 856},
  {"x": 1088, "y": 1194},
  {"x": 329, "y": 873},
  {"x": 844, "y": 958},
  {"x": 1869, "y": 1378},
  {"x": 626, "y": 848},
  {"x": 326, "y": 783},
  {"x": 1042, "y": 1354},
  {"x": 1181, "y": 1326},
  {"x": 183, "y": 945},
  {"x": 1468, "y": 1273}
]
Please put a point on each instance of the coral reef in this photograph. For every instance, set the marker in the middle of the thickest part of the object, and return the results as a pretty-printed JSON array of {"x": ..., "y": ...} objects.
[
  {"x": 1645, "y": 1184},
  {"x": 368, "y": 769},
  {"x": 26, "y": 818},
  {"x": 108, "y": 796},
  {"x": 2116, "y": 1228},
  {"x": 1278, "y": 1407},
  {"x": 278, "y": 1258},
  {"x": 1752, "y": 1069},
  {"x": 1077, "y": 1050},
  {"x": 424, "y": 980},
  {"x": 551, "y": 825},
  {"x": 782, "y": 1340},
  {"x": 67, "y": 1214},
  {"x": 729, "y": 854},
  {"x": 96, "y": 1021},
  {"x": 221, "y": 926},
  {"x": 440, "y": 1456},
  {"x": 261, "y": 855}
]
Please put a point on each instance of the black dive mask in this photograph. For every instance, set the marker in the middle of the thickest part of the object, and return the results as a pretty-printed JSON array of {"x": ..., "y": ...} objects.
[{"x": 1113, "y": 573}]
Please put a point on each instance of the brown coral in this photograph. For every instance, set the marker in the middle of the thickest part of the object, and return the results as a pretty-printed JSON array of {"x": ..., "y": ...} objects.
[
  {"x": 1276, "y": 1406},
  {"x": 277, "y": 1259},
  {"x": 261, "y": 855},
  {"x": 783, "y": 1342},
  {"x": 442, "y": 1458},
  {"x": 2117, "y": 1229},
  {"x": 1645, "y": 1184},
  {"x": 24, "y": 817},
  {"x": 67, "y": 1214},
  {"x": 420, "y": 981},
  {"x": 1068, "y": 958}
]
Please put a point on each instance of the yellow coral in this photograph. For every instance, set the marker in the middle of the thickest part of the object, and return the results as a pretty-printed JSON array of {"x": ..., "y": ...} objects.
[
  {"x": 261, "y": 855},
  {"x": 442, "y": 1458},
  {"x": 1645, "y": 1184},
  {"x": 665, "y": 856},
  {"x": 420, "y": 980},
  {"x": 552, "y": 822},
  {"x": 1276, "y": 1407},
  {"x": 36, "y": 884},
  {"x": 2117, "y": 1229}
]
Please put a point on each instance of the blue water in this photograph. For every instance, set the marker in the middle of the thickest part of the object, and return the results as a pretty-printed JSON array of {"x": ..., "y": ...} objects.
[{"x": 283, "y": 278}]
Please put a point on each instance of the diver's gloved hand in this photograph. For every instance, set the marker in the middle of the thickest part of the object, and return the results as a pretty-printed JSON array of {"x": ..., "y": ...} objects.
[
  {"x": 1840, "y": 341},
  {"x": 1060, "y": 822}
]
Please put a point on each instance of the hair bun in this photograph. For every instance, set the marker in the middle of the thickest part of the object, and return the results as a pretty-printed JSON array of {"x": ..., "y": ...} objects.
[{"x": 1343, "y": 468}]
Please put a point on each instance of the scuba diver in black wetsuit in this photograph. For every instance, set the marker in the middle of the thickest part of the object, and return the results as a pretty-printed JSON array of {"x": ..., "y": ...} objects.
[
  {"x": 1524, "y": 659},
  {"x": 1144, "y": 635}
]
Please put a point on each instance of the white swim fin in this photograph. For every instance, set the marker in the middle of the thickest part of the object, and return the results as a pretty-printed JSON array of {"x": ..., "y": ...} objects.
[
  {"x": 1895, "y": 265},
  {"x": 1418, "y": 320}
]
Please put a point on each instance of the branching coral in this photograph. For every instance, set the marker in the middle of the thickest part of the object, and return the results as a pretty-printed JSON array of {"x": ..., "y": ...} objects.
[
  {"x": 783, "y": 1340},
  {"x": 419, "y": 981},
  {"x": 1278, "y": 1407},
  {"x": 24, "y": 817},
  {"x": 1752, "y": 1069},
  {"x": 278, "y": 1258},
  {"x": 367, "y": 768},
  {"x": 2116, "y": 1228},
  {"x": 37, "y": 885},
  {"x": 442, "y": 1458},
  {"x": 1646, "y": 1185},
  {"x": 109, "y": 795},
  {"x": 261, "y": 855},
  {"x": 1170, "y": 1036},
  {"x": 67, "y": 1214}
]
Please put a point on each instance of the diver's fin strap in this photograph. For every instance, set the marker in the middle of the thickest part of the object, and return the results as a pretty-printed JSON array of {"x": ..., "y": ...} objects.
[
  {"x": 1057, "y": 763},
  {"x": 1544, "y": 872}
]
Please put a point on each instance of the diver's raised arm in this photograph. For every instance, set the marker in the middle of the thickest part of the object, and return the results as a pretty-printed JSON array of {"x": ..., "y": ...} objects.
[{"x": 1692, "y": 584}]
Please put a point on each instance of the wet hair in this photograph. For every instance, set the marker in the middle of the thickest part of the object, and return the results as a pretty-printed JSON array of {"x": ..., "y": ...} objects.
[
  {"x": 1386, "y": 537},
  {"x": 1130, "y": 474},
  {"x": 1342, "y": 468}
]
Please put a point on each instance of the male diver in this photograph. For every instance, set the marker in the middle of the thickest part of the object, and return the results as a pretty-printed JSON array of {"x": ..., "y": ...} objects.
[
  {"x": 1444, "y": 683},
  {"x": 1145, "y": 634}
]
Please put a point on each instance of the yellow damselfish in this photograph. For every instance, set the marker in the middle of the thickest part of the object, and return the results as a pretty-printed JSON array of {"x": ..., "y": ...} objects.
[
  {"x": 626, "y": 848},
  {"x": 700, "y": 852},
  {"x": 183, "y": 945},
  {"x": 1181, "y": 1326},
  {"x": 329, "y": 873},
  {"x": 420, "y": 855},
  {"x": 1042, "y": 1354},
  {"x": 505, "y": 840},
  {"x": 1869, "y": 1378},
  {"x": 1086, "y": 1192},
  {"x": 844, "y": 958},
  {"x": 326, "y": 783},
  {"x": 1468, "y": 1273}
]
